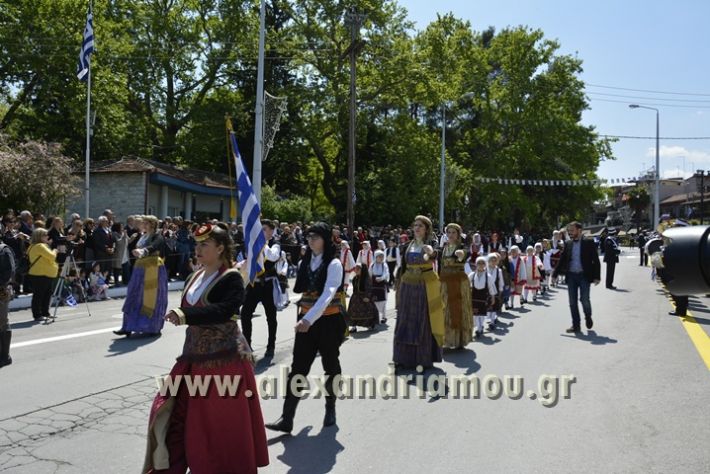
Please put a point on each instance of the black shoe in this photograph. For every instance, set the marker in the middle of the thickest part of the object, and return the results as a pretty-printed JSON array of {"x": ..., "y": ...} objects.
[
  {"x": 269, "y": 352},
  {"x": 122, "y": 332},
  {"x": 329, "y": 419},
  {"x": 573, "y": 330},
  {"x": 283, "y": 424},
  {"x": 612, "y": 287},
  {"x": 383, "y": 320},
  {"x": 5, "y": 339},
  {"x": 353, "y": 329},
  {"x": 589, "y": 322},
  {"x": 673, "y": 313}
]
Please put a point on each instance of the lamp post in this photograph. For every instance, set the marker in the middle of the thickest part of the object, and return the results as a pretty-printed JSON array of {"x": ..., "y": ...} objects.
[
  {"x": 701, "y": 174},
  {"x": 442, "y": 177},
  {"x": 657, "y": 177}
]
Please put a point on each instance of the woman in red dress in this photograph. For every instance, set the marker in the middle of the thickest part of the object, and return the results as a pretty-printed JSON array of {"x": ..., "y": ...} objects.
[{"x": 204, "y": 431}]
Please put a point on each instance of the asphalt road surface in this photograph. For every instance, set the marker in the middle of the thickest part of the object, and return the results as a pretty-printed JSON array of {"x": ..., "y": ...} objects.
[{"x": 77, "y": 398}]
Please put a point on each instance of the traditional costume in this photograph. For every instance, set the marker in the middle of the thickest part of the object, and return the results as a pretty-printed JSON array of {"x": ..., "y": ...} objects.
[
  {"x": 361, "y": 308},
  {"x": 209, "y": 433},
  {"x": 380, "y": 277},
  {"x": 320, "y": 281},
  {"x": 419, "y": 332},
  {"x": 347, "y": 261},
  {"x": 262, "y": 291},
  {"x": 365, "y": 256},
  {"x": 393, "y": 260},
  {"x": 481, "y": 291},
  {"x": 456, "y": 295},
  {"x": 147, "y": 293},
  {"x": 533, "y": 265},
  {"x": 517, "y": 275},
  {"x": 495, "y": 275}
]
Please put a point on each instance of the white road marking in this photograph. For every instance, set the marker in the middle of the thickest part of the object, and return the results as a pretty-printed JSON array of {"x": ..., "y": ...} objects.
[{"x": 45, "y": 340}]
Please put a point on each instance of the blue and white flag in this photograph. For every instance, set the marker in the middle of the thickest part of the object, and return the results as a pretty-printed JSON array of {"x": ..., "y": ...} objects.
[
  {"x": 87, "y": 47},
  {"x": 254, "y": 239}
]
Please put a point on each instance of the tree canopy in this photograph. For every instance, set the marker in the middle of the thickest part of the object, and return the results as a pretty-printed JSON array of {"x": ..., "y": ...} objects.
[{"x": 165, "y": 72}]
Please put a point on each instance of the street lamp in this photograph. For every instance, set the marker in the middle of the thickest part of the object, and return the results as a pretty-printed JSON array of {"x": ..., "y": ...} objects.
[
  {"x": 657, "y": 177},
  {"x": 442, "y": 177},
  {"x": 701, "y": 174}
]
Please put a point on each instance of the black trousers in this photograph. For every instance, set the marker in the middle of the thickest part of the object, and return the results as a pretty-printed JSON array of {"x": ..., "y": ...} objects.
[
  {"x": 324, "y": 337},
  {"x": 610, "y": 269},
  {"x": 681, "y": 304},
  {"x": 642, "y": 255},
  {"x": 261, "y": 292},
  {"x": 391, "y": 266},
  {"x": 41, "y": 295}
]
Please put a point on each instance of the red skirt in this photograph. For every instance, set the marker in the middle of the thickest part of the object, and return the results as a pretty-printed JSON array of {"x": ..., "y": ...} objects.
[{"x": 208, "y": 434}]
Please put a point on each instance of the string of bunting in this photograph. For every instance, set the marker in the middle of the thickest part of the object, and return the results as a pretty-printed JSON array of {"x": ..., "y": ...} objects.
[{"x": 557, "y": 182}]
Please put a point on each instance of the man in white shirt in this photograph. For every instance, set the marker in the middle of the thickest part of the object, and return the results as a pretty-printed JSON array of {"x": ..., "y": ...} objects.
[{"x": 321, "y": 322}]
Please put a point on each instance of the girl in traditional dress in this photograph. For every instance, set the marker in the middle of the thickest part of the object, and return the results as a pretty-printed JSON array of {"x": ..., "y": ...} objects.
[
  {"x": 209, "y": 433},
  {"x": 365, "y": 255},
  {"x": 455, "y": 290},
  {"x": 533, "y": 265},
  {"x": 481, "y": 290},
  {"x": 517, "y": 276},
  {"x": 495, "y": 274},
  {"x": 361, "y": 309},
  {"x": 380, "y": 277},
  {"x": 147, "y": 292},
  {"x": 419, "y": 332},
  {"x": 346, "y": 259},
  {"x": 554, "y": 260}
]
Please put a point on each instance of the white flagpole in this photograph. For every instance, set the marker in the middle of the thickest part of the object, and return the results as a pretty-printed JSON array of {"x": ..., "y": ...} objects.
[
  {"x": 259, "y": 119},
  {"x": 88, "y": 142}
]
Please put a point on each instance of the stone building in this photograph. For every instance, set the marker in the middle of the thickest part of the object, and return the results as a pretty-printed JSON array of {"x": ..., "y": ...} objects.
[{"x": 137, "y": 186}]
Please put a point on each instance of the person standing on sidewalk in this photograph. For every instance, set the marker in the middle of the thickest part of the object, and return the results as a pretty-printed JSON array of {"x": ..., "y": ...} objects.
[
  {"x": 7, "y": 275},
  {"x": 580, "y": 263}
]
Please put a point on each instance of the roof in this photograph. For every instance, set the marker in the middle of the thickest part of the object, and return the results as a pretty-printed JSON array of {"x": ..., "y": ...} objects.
[
  {"x": 129, "y": 164},
  {"x": 684, "y": 198}
]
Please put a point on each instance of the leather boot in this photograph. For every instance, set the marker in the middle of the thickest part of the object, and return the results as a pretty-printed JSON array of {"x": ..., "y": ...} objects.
[
  {"x": 5, "y": 338},
  {"x": 285, "y": 423},
  {"x": 329, "y": 419}
]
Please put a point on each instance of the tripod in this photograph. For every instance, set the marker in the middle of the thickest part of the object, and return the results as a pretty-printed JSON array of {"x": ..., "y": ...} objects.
[{"x": 70, "y": 262}]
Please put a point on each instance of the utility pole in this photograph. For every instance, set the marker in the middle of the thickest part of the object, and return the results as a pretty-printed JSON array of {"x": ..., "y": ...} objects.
[{"x": 354, "y": 20}]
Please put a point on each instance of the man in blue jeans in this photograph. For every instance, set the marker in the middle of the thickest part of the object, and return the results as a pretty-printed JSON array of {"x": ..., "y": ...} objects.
[{"x": 580, "y": 263}]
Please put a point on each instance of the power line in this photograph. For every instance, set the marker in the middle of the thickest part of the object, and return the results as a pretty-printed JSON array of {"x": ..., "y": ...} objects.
[
  {"x": 656, "y": 104},
  {"x": 648, "y": 91},
  {"x": 649, "y": 98},
  {"x": 653, "y": 138}
]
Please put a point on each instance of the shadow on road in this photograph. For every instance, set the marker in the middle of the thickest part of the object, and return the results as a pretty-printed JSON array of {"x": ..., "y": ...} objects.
[
  {"x": 592, "y": 337},
  {"x": 310, "y": 454},
  {"x": 463, "y": 359},
  {"x": 25, "y": 324},
  {"x": 123, "y": 345}
]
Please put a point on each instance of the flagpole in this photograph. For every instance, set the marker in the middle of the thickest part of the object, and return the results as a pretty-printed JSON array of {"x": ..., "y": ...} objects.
[
  {"x": 259, "y": 119},
  {"x": 88, "y": 143}
]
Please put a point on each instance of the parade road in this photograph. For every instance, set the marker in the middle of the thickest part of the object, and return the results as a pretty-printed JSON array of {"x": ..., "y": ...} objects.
[{"x": 77, "y": 397}]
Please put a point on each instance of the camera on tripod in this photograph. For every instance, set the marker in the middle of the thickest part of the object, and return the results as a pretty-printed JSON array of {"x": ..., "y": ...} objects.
[{"x": 686, "y": 260}]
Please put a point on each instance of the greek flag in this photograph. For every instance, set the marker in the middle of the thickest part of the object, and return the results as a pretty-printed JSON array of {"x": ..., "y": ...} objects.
[
  {"x": 87, "y": 47},
  {"x": 254, "y": 239}
]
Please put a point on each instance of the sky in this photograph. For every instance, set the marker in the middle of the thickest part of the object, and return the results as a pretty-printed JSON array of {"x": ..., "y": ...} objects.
[{"x": 647, "y": 45}]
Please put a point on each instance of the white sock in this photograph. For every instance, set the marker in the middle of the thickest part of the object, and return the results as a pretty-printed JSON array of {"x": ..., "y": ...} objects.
[
  {"x": 479, "y": 323},
  {"x": 525, "y": 294},
  {"x": 493, "y": 316}
]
